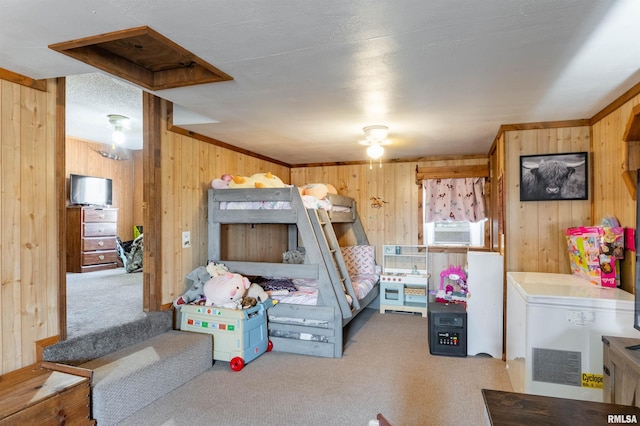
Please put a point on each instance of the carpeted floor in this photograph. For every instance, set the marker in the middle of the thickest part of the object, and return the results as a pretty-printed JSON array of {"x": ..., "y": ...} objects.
[
  {"x": 386, "y": 368},
  {"x": 102, "y": 299}
]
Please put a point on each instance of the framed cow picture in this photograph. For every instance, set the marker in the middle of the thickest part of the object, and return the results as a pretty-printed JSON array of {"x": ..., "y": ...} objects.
[{"x": 554, "y": 177}]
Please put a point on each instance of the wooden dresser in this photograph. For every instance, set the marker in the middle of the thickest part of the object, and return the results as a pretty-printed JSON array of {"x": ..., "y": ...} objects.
[{"x": 91, "y": 238}]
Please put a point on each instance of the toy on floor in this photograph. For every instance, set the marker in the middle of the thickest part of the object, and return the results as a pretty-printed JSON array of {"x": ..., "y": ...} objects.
[{"x": 456, "y": 285}]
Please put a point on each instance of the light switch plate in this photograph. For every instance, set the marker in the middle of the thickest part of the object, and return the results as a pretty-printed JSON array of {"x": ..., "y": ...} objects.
[{"x": 186, "y": 239}]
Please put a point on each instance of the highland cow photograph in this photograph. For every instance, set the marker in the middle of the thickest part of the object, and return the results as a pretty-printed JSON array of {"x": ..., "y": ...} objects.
[{"x": 554, "y": 177}]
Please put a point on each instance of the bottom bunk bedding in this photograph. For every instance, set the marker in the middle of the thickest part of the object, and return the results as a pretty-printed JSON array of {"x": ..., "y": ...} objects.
[{"x": 299, "y": 291}]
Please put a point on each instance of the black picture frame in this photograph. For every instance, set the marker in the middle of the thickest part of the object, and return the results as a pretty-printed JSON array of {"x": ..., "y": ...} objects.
[{"x": 554, "y": 177}]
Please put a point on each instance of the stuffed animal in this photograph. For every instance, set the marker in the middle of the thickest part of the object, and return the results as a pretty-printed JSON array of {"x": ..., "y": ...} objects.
[
  {"x": 267, "y": 180},
  {"x": 198, "y": 278},
  {"x": 249, "y": 302},
  {"x": 215, "y": 269},
  {"x": 257, "y": 292},
  {"x": 258, "y": 180},
  {"x": 226, "y": 291},
  {"x": 222, "y": 182},
  {"x": 195, "y": 292},
  {"x": 317, "y": 190}
]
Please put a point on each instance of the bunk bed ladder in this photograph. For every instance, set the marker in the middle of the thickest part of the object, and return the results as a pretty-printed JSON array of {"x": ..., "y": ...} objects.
[{"x": 332, "y": 254}]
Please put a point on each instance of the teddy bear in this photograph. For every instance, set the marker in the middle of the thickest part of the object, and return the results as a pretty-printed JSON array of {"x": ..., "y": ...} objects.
[
  {"x": 199, "y": 277},
  {"x": 226, "y": 291}
]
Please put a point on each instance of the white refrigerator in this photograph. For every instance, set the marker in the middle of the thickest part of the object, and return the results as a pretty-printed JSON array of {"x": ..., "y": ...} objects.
[
  {"x": 555, "y": 324},
  {"x": 485, "y": 281}
]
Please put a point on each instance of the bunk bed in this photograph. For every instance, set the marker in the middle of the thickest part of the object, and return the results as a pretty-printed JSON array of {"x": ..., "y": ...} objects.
[{"x": 310, "y": 329}]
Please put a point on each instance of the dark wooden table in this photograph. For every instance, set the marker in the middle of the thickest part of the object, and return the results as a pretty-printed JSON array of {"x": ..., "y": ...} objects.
[{"x": 511, "y": 408}]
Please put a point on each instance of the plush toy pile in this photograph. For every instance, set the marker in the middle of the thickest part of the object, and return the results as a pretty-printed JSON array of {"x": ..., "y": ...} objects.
[
  {"x": 214, "y": 285},
  {"x": 258, "y": 180}
]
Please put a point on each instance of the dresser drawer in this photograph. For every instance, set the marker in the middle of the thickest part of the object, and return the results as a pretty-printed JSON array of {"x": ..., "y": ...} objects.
[
  {"x": 100, "y": 229},
  {"x": 96, "y": 257},
  {"x": 98, "y": 243},
  {"x": 98, "y": 215}
]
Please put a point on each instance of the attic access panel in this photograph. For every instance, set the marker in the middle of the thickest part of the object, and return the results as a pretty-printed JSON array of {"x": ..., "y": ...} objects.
[{"x": 144, "y": 57}]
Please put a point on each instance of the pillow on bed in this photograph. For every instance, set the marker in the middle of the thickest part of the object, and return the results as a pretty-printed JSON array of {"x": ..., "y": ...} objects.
[{"x": 359, "y": 259}]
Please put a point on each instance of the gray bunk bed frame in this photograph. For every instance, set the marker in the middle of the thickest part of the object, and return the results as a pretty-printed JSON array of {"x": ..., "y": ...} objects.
[{"x": 323, "y": 262}]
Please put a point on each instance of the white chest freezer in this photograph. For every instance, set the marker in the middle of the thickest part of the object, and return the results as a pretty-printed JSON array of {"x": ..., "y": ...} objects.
[{"x": 555, "y": 324}]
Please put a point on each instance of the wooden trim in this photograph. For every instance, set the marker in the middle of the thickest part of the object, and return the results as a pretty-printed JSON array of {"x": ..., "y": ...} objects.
[
  {"x": 60, "y": 184},
  {"x": 621, "y": 100},
  {"x": 393, "y": 160},
  {"x": 451, "y": 249},
  {"x": 630, "y": 178},
  {"x": 452, "y": 172},
  {"x": 540, "y": 125},
  {"x": 152, "y": 202},
  {"x": 632, "y": 130},
  {"x": 23, "y": 80},
  {"x": 631, "y": 133},
  {"x": 216, "y": 142},
  {"x": 69, "y": 369},
  {"x": 42, "y": 344}
]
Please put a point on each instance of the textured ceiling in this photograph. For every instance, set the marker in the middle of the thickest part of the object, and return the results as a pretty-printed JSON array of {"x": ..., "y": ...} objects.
[{"x": 308, "y": 76}]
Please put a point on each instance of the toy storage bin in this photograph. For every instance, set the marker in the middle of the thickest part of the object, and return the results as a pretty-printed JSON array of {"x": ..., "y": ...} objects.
[{"x": 239, "y": 335}]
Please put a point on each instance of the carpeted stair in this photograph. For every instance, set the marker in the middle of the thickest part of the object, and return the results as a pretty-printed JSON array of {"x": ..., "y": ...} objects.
[
  {"x": 131, "y": 378},
  {"x": 81, "y": 349},
  {"x": 135, "y": 363}
]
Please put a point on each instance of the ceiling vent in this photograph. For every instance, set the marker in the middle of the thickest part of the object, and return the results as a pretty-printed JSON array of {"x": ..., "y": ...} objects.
[{"x": 144, "y": 57}]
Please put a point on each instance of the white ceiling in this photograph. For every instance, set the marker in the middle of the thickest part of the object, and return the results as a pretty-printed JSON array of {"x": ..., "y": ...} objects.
[{"x": 443, "y": 75}]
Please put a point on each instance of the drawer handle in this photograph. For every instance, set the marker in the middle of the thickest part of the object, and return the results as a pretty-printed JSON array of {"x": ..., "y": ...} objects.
[
  {"x": 102, "y": 216},
  {"x": 100, "y": 243},
  {"x": 100, "y": 229},
  {"x": 101, "y": 257}
]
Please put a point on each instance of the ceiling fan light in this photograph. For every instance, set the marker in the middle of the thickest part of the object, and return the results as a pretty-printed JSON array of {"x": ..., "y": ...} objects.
[
  {"x": 118, "y": 137},
  {"x": 375, "y": 151}
]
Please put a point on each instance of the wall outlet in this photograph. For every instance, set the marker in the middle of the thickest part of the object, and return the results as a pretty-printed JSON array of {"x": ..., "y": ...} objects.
[{"x": 186, "y": 239}]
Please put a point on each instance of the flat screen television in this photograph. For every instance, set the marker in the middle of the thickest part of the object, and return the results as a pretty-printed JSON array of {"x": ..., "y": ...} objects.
[{"x": 90, "y": 191}]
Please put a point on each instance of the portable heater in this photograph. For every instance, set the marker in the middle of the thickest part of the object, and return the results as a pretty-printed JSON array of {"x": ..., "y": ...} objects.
[{"x": 447, "y": 329}]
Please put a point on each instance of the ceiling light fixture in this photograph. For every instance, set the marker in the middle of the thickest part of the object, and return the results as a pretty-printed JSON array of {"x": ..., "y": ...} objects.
[
  {"x": 375, "y": 138},
  {"x": 119, "y": 123}
]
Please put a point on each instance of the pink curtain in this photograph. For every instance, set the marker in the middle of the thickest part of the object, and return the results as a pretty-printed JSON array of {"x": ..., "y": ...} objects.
[{"x": 460, "y": 199}]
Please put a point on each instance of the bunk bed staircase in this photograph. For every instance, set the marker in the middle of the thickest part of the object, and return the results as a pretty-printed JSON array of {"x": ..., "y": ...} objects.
[{"x": 319, "y": 327}]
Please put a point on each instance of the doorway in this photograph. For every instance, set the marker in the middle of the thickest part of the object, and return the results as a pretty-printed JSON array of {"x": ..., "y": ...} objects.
[{"x": 108, "y": 166}]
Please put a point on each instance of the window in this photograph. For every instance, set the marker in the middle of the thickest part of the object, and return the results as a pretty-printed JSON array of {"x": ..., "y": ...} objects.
[
  {"x": 454, "y": 212},
  {"x": 454, "y": 233}
]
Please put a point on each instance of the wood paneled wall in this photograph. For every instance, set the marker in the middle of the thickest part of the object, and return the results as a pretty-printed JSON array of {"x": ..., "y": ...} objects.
[
  {"x": 29, "y": 252},
  {"x": 83, "y": 157},
  {"x": 398, "y": 220},
  {"x": 534, "y": 230},
  {"x": 188, "y": 166},
  {"x": 610, "y": 194},
  {"x": 29, "y": 246}
]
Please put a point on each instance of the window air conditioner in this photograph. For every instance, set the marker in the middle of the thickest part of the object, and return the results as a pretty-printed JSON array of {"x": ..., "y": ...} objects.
[{"x": 452, "y": 233}]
